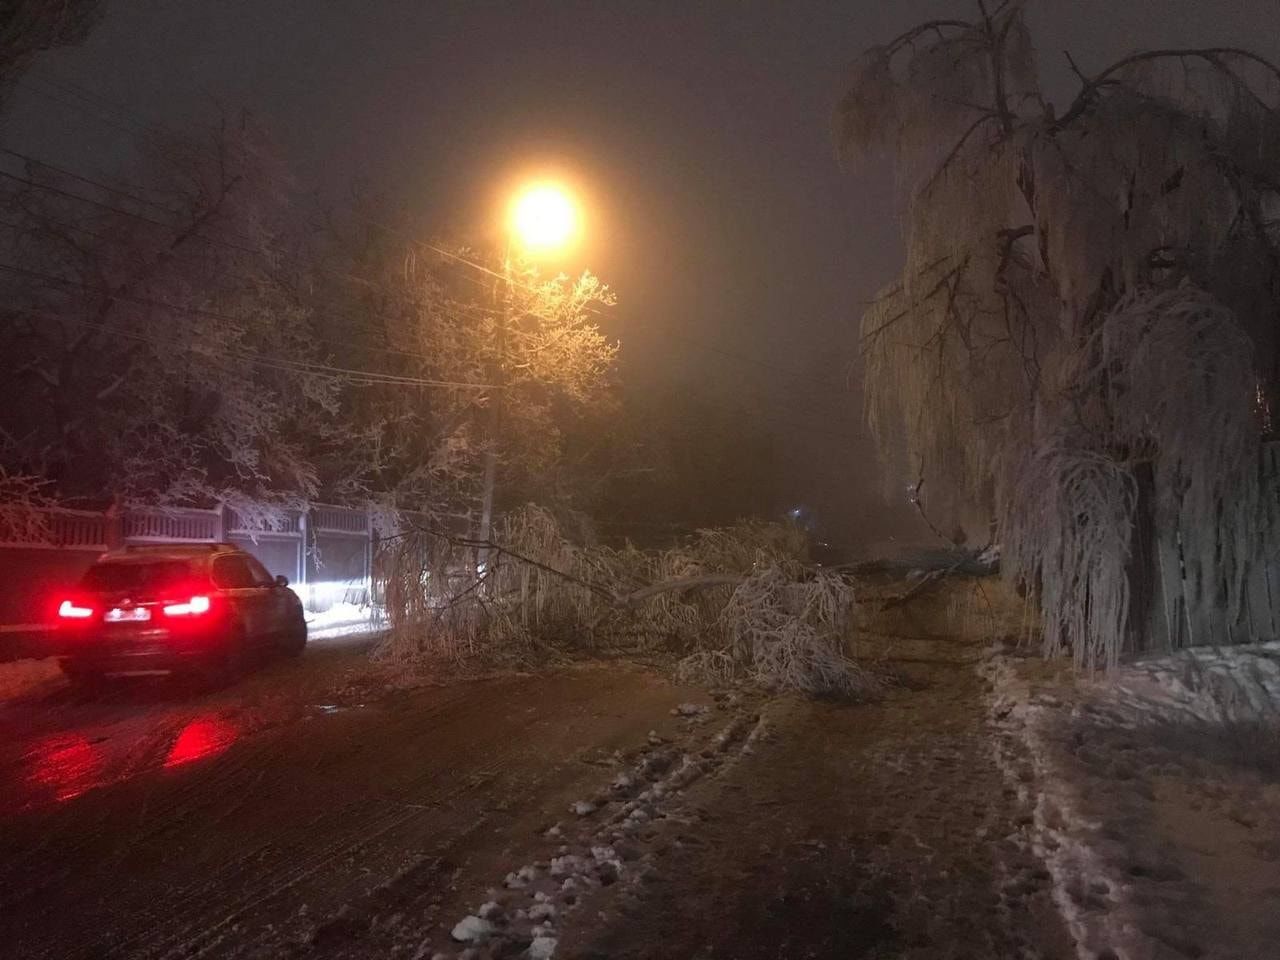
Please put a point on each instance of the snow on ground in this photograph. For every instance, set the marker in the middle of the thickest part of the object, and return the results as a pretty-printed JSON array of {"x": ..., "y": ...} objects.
[
  {"x": 25, "y": 677},
  {"x": 1088, "y": 896},
  {"x": 343, "y": 621},
  {"x": 602, "y": 846},
  {"x": 1157, "y": 798},
  {"x": 1202, "y": 685}
]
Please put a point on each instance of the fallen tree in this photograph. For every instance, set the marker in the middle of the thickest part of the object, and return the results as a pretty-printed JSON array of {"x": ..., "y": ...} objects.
[{"x": 731, "y": 605}]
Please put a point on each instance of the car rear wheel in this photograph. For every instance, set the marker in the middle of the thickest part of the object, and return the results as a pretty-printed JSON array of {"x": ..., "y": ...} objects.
[
  {"x": 295, "y": 639},
  {"x": 226, "y": 666},
  {"x": 82, "y": 677}
]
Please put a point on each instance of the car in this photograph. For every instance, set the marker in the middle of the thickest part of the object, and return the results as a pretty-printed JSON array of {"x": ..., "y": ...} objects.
[{"x": 201, "y": 609}]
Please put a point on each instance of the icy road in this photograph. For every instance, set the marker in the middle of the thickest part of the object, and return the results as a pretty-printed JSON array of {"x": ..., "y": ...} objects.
[{"x": 592, "y": 812}]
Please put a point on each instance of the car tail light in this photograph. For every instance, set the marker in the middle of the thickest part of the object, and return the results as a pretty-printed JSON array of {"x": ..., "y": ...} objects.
[
  {"x": 193, "y": 607},
  {"x": 74, "y": 610}
]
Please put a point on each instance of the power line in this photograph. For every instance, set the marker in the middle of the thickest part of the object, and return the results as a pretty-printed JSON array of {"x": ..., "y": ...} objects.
[
  {"x": 356, "y": 377},
  {"x": 322, "y": 316},
  {"x": 810, "y": 411},
  {"x": 301, "y": 366},
  {"x": 141, "y": 125},
  {"x": 363, "y": 377},
  {"x": 50, "y": 188},
  {"x": 137, "y": 124},
  {"x": 810, "y": 414},
  {"x": 141, "y": 201},
  {"x": 175, "y": 227},
  {"x": 213, "y": 241}
]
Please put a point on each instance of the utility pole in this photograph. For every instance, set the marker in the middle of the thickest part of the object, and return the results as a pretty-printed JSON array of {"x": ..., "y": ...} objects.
[
  {"x": 503, "y": 290},
  {"x": 543, "y": 218}
]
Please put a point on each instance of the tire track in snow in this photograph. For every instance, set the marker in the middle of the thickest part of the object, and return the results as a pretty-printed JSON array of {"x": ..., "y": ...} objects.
[{"x": 605, "y": 854}]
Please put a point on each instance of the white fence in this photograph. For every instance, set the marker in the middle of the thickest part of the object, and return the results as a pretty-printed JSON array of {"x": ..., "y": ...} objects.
[
  {"x": 172, "y": 525},
  {"x": 326, "y": 551},
  {"x": 56, "y": 529}
]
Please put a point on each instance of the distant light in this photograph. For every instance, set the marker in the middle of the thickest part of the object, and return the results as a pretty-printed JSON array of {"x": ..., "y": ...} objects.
[
  {"x": 795, "y": 512},
  {"x": 544, "y": 217}
]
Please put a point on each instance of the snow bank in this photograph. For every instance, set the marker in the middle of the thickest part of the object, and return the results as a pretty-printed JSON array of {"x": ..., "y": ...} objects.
[
  {"x": 1090, "y": 897},
  {"x": 25, "y": 677},
  {"x": 1200, "y": 684},
  {"x": 343, "y": 620},
  {"x": 1105, "y": 903}
]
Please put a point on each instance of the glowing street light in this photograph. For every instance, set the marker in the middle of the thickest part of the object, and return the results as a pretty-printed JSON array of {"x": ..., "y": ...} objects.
[{"x": 544, "y": 218}]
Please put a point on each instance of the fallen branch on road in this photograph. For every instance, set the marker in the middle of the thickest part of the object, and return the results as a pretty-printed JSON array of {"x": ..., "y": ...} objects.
[{"x": 736, "y": 604}]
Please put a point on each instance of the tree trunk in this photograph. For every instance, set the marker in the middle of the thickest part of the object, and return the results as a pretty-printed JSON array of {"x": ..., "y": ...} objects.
[{"x": 1142, "y": 570}]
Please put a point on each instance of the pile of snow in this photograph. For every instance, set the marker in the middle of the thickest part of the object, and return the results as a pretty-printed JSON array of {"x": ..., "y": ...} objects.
[
  {"x": 470, "y": 929},
  {"x": 1201, "y": 684},
  {"x": 688, "y": 710}
]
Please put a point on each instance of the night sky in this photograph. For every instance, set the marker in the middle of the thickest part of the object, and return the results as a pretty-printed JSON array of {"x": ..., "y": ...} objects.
[{"x": 739, "y": 250}]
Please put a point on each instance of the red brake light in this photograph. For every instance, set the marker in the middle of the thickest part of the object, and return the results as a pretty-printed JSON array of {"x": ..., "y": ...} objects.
[
  {"x": 188, "y": 608},
  {"x": 71, "y": 610}
]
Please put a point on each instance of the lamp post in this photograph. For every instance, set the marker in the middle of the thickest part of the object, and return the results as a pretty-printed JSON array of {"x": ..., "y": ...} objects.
[{"x": 543, "y": 219}]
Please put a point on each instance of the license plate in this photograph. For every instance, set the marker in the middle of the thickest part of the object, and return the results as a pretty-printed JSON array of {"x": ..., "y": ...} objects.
[{"x": 128, "y": 615}]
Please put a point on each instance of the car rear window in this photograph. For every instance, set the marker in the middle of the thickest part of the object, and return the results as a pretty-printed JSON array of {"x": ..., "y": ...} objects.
[{"x": 146, "y": 577}]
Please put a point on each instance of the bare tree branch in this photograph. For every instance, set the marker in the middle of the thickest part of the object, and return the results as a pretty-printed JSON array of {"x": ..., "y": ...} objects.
[{"x": 1084, "y": 99}]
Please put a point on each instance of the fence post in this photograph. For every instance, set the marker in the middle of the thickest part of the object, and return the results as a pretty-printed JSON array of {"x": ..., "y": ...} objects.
[
  {"x": 113, "y": 533},
  {"x": 368, "y": 553},
  {"x": 304, "y": 530}
]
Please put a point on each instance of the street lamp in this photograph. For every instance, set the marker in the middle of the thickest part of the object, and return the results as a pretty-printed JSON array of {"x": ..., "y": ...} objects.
[{"x": 543, "y": 220}]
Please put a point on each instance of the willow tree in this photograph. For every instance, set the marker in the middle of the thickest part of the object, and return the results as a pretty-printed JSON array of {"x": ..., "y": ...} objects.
[{"x": 1085, "y": 339}]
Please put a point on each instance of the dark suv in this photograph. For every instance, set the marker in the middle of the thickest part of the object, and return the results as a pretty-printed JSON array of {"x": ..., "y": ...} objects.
[{"x": 167, "y": 609}]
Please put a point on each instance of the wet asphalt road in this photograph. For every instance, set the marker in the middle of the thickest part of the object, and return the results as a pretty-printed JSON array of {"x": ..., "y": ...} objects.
[{"x": 256, "y": 821}]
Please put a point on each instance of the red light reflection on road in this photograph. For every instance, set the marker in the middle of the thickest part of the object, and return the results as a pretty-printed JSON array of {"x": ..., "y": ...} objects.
[
  {"x": 203, "y": 737},
  {"x": 65, "y": 765}
]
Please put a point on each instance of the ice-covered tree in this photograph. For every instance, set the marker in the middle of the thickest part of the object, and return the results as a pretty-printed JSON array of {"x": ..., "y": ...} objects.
[
  {"x": 434, "y": 318},
  {"x": 1085, "y": 340},
  {"x": 157, "y": 338}
]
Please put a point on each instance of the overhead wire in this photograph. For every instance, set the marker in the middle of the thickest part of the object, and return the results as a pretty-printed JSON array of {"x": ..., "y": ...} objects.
[
  {"x": 356, "y": 377},
  {"x": 118, "y": 191},
  {"x": 390, "y": 351},
  {"x": 140, "y": 125},
  {"x": 353, "y": 375},
  {"x": 300, "y": 366},
  {"x": 811, "y": 410}
]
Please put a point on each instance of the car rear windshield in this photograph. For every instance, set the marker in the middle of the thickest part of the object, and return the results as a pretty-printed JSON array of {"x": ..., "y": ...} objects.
[{"x": 141, "y": 577}]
